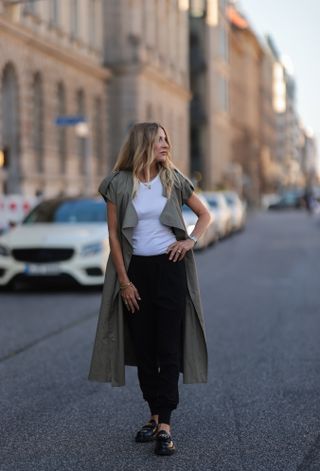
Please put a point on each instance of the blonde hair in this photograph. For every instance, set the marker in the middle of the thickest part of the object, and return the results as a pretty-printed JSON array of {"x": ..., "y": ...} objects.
[{"x": 137, "y": 155}]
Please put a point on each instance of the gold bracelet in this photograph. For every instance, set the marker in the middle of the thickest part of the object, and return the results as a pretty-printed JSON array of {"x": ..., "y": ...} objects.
[{"x": 126, "y": 285}]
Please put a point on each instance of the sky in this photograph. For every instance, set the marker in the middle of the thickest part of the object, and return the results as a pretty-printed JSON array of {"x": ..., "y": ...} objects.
[{"x": 294, "y": 27}]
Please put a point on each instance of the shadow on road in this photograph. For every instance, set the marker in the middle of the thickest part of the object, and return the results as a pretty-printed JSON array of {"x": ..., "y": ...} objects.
[{"x": 48, "y": 285}]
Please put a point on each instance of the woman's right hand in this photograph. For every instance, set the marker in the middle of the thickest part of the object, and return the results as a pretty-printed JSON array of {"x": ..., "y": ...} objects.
[{"x": 130, "y": 296}]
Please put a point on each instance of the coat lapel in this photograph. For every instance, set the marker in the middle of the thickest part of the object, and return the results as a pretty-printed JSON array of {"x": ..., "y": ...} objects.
[
  {"x": 170, "y": 215},
  {"x": 130, "y": 220}
]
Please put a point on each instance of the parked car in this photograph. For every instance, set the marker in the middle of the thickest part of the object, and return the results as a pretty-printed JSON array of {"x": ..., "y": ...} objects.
[
  {"x": 221, "y": 211},
  {"x": 237, "y": 208},
  {"x": 269, "y": 198},
  {"x": 190, "y": 219},
  {"x": 291, "y": 199},
  {"x": 62, "y": 237}
]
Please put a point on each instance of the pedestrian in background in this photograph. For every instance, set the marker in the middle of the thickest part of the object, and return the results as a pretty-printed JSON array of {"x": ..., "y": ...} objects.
[{"x": 150, "y": 313}]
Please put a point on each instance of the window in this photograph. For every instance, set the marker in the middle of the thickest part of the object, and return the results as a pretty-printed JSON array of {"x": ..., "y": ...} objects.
[
  {"x": 29, "y": 7},
  {"x": 93, "y": 21},
  {"x": 149, "y": 22},
  {"x": 198, "y": 8},
  {"x": 54, "y": 12},
  {"x": 38, "y": 120},
  {"x": 149, "y": 112},
  {"x": 62, "y": 133},
  {"x": 74, "y": 18},
  {"x": 223, "y": 42},
  {"x": 10, "y": 128},
  {"x": 223, "y": 94},
  {"x": 97, "y": 137}
]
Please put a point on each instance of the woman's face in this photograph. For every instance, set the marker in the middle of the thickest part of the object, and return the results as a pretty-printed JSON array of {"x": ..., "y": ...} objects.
[{"x": 161, "y": 146}]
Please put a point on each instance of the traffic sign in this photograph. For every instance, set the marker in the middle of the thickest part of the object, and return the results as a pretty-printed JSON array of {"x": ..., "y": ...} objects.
[{"x": 69, "y": 120}]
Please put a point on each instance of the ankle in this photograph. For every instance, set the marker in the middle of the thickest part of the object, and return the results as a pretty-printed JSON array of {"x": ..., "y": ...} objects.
[
  {"x": 155, "y": 418},
  {"x": 165, "y": 427}
]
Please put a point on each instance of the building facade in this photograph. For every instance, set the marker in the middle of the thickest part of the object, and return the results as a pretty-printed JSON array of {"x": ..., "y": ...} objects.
[
  {"x": 270, "y": 171},
  {"x": 51, "y": 64},
  {"x": 210, "y": 106},
  {"x": 288, "y": 132},
  {"x": 246, "y": 56},
  {"x": 146, "y": 49}
]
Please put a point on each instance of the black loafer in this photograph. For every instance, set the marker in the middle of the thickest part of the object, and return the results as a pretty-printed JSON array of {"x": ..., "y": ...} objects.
[
  {"x": 148, "y": 432},
  {"x": 164, "y": 444}
]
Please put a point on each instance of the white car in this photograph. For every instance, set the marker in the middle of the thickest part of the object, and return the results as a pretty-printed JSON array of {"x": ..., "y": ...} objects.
[
  {"x": 62, "y": 237},
  {"x": 221, "y": 211},
  {"x": 237, "y": 208},
  {"x": 190, "y": 219}
]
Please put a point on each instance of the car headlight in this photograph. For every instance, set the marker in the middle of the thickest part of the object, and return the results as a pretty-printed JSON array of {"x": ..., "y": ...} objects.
[
  {"x": 4, "y": 251},
  {"x": 91, "y": 249}
]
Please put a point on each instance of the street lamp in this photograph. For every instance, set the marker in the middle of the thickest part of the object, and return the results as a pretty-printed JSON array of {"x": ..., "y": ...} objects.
[{"x": 82, "y": 130}]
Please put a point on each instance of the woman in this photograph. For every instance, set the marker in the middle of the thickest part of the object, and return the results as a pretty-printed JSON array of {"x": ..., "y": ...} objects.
[{"x": 150, "y": 312}]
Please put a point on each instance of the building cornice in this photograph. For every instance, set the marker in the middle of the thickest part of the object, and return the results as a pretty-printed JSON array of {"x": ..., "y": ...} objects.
[
  {"x": 153, "y": 73},
  {"x": 62, "y": 54}
]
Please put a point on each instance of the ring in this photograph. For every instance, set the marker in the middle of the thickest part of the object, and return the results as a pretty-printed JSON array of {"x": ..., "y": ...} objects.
[{"x": 179, "y": 251}]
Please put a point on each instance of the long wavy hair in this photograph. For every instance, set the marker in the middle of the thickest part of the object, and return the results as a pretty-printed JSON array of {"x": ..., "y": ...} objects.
[{"x": 137, "y": 155}]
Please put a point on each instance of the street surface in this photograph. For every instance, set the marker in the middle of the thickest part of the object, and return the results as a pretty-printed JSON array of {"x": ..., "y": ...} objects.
[{"x": 260, "y": 409}]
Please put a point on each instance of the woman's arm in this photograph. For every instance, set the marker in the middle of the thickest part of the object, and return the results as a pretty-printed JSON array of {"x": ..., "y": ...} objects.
[
  {"x": 204, "y": 216},
  {"x": 130, "y": 293},
  {"x": 178, "y": 249}
]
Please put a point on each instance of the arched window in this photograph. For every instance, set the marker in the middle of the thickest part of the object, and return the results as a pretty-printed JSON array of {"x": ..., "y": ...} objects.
[
  {"x": 10, "y": 128},
  {"x": 62, "y": 132},
  {"x": 37, "y": 121},
  {"x": 81, "y": 144},
  {"x": 97, "y": 135}
]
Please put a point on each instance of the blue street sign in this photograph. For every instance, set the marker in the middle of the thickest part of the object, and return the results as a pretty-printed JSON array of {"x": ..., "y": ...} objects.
[{"x": 69, "y": 120}]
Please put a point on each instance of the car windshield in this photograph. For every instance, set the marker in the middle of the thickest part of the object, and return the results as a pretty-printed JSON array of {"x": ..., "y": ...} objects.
[
  {"x": 68, "y": 212},
  {"x": 230, "y": 200},
  {"x": 213, "y": 202},
  {"x": 290, "y": 196}
]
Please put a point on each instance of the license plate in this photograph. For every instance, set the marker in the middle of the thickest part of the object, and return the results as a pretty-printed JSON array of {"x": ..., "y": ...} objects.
[{"x": 42, "y": 269}]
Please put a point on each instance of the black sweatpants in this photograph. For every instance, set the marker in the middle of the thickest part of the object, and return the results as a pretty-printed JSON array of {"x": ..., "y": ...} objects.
[{"x": 156, "y": 329}]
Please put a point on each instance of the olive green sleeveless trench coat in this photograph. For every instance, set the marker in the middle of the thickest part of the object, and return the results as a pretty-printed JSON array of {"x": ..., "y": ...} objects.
[{"x": 113, "y": 348}]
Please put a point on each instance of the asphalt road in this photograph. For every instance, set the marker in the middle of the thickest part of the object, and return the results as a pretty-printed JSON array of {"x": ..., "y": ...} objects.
[{"x": 260, "y": 409}]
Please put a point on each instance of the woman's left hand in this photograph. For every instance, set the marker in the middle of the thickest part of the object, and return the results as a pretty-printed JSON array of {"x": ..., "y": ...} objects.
[{"x": 178, "y": 249}]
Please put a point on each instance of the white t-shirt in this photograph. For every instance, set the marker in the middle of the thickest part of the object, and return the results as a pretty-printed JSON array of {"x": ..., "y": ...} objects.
[{"x": 150, "y": 237}]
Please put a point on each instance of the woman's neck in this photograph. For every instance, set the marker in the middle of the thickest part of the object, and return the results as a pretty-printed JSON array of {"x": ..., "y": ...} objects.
[{"x": 153, "y": 173}]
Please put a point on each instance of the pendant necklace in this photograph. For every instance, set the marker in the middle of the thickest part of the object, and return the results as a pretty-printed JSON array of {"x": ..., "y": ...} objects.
[{"x": 148, "y": 184}]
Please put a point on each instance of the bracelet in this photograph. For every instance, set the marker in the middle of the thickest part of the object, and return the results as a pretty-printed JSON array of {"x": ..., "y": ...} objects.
[
  {"x": 194, "y": 238},
  {"x": 126, "y": 285}
]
